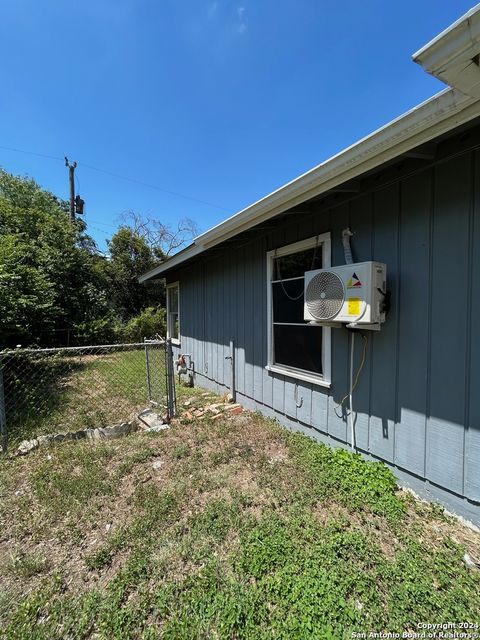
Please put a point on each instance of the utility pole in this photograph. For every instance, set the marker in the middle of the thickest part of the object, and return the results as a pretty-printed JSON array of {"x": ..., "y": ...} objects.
[{"x": 71, "y": 178}]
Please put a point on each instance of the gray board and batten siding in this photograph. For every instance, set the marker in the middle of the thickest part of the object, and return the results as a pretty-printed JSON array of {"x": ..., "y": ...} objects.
[{"x": 418, "y": 398}]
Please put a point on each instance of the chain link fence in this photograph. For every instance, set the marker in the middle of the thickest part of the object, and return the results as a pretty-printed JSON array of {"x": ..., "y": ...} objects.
[{"x": 45, "y": 391}]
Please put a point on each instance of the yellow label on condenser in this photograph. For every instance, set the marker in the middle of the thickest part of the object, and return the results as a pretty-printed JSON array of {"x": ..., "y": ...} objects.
[{"x": 354, "y": 306}]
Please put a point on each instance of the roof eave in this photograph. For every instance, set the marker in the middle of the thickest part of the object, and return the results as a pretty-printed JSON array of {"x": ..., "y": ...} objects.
[
  {"x": 438, "y": 115},
  {"x": 179, "y": 258},
  {"x": 452, "y": 56},
  {"x": 420, "y": 124}
]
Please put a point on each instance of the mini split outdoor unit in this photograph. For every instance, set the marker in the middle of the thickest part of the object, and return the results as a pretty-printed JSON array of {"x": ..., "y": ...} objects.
[{"x": 352, "y": 294}]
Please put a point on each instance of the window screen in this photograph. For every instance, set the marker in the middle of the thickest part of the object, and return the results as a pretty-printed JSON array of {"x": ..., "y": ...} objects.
[
  {"x": 296, "y": 344},
  {"x": 173, "y": 316}
]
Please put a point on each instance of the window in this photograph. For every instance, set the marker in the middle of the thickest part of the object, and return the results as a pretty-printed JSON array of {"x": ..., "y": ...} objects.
[
  {"x": 296, "y": 348},
  {"x": 173, "y": 312}
]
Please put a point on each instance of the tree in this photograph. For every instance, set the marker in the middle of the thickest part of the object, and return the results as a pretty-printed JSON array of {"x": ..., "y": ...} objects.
[
  {"x": 50, "y": 272},
  {"x": 161, "y": 238},
  {"x": 52, "y": 276},
  {"x": 139, "y": 245},
  {"x": 130, "y": 257}
]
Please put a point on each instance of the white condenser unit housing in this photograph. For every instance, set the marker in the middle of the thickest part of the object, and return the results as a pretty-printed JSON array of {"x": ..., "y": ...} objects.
[{"x": 349, "y": 294}]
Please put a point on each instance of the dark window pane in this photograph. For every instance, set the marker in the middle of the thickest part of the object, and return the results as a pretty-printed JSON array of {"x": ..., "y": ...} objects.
[
  {"x": 174, "y": 326},
  {"x": 298, "y": 347},
  {"x": 288, "y": 301},
  {"x": 173, "y": 299},
  {"x": 296, "y": 264}
]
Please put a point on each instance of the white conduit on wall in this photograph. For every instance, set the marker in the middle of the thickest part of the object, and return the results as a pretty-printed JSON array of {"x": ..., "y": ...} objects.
[
  {"x": 350, "y": 395},
  {"x": 347, "y": 250}
]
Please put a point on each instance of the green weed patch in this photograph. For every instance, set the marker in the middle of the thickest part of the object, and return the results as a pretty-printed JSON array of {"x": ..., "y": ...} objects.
[{"x": 244, "y": 532}]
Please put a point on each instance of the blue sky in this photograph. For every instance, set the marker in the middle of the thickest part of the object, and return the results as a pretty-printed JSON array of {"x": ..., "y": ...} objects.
[{"x": 222, "y": 101}]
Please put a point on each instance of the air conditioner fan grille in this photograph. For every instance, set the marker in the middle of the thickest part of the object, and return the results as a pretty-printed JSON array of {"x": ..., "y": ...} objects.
[{"x": 324, "y": 295}]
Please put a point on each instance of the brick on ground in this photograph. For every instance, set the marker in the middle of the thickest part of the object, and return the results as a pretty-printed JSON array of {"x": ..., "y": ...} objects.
[{"x": 235, "y": 410}]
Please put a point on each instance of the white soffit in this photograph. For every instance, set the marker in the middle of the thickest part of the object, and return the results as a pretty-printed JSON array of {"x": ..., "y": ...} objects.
[{"x": 452, "y": 56}]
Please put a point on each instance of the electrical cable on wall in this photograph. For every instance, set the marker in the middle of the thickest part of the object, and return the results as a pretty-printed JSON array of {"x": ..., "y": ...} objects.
[
  {"x": 279, "y": 275},
  {"x": 353, "y": 383}
]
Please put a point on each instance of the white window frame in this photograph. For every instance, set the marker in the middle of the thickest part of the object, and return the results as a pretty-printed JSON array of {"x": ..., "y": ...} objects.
[
  {"x": 324, "y": 380},
  {"x": 173, "y": 285}
]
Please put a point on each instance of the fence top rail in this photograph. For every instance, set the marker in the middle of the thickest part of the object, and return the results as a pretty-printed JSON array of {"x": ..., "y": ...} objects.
[{"x": 10, "y": 352}]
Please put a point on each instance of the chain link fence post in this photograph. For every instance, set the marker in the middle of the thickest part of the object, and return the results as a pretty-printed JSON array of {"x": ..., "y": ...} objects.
[
  {"x": 147, "y": 364},
  {"x": 170, "y": 373},
  {"x": 3, "y": 415},
  {"x": 68, "y": 389}
]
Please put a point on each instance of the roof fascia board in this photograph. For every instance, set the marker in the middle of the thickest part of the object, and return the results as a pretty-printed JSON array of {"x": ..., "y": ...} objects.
[
  {"x": 438, "y": 115},
  {"x": 449, "y": 56},
  {"x": 170, "y": 263},
  {"x": 452, "y": 43}
]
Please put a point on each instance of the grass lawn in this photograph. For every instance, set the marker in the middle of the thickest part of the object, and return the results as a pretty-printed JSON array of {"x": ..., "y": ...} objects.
[
  {"x": 222, "y": 528},
  {"x": 49, "y": 393}
]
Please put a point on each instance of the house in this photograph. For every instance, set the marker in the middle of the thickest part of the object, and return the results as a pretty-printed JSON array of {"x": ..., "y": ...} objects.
[{"x": 410, "y": 194}]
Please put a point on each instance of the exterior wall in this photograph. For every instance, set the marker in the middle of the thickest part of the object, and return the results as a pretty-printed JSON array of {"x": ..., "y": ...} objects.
[{"x": 416, "y": 399}]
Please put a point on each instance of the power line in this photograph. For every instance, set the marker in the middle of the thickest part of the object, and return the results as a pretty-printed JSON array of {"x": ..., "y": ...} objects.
[
  {"x": 90, "y": 226},
  {"x": 32, "y": 153},
  {"x": 100, "y": 222},
  {"x": 152, "y": 186},
  {"x": 120, "y": 177}
]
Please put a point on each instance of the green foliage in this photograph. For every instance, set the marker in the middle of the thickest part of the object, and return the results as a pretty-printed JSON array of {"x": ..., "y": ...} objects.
[
  {"x": 49, "y": 270},
  {"x": 54, "y": 283},
  {"x": 65, "y": 393},
  {"x": 311, "y": 576},
  {"x": 181, "y": 451},
  {"x": 26, "y": 564},
  {"x": 130, "y": 257},
  {"x": 422, "y": 581},
  {"x": 99, "y": 559},
  {"x": 216, "y": 521},
  {"x": 69, "y": 617},
  {"x": 68, "y": 486},
  {"x": 27, "y": 296},
  {"x": 96, "y": 331},
  {"x": 344, "y": 476},
  {"x": 147, "y": 324},
  {"x": 184, "y": 562},
  {"x": 320, "y": 581}
]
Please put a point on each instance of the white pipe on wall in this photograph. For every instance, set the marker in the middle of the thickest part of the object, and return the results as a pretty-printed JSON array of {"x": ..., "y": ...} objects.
[
  {"x": 347, "y": 249},
  {"x": 350, "y": 395}
]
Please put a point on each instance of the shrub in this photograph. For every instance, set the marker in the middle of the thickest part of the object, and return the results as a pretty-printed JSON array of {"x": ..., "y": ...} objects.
[
  {"x": 149, "y": 323},
  {"x": 95, "y": 331}
]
